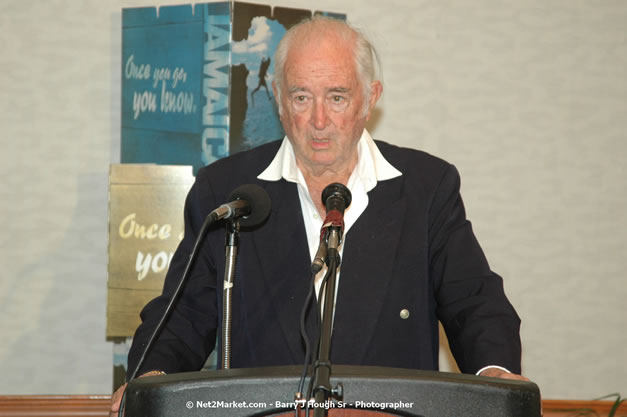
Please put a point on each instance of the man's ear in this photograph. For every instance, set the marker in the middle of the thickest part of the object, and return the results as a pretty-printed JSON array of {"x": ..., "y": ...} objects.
[
  {"x": 376, "y": 89},
  {"x": 277, "y": 99},
  {"x": 274, "y": 91}
]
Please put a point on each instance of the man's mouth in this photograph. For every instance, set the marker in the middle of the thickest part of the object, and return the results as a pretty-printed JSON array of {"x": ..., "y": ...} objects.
[{"x": 320, "y": 143}]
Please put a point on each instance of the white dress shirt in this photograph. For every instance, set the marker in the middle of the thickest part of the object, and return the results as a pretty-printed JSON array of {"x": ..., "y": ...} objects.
[{"x": 371, "y": 167}]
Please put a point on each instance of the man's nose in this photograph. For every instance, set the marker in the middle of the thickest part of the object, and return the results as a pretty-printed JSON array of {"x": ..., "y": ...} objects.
[{"x": 319, "y": 117}]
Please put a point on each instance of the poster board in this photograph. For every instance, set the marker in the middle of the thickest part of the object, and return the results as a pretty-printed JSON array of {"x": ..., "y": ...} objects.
[{"x": 145, "y": 227}]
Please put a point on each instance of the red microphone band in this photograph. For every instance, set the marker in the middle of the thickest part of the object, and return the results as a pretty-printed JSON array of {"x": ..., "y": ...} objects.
[{"x": 334, "y": 218}]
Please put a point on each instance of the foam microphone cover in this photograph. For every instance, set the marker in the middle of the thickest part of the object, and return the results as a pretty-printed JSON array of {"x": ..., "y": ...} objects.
[
  {"x": 336, "y": 196},
  {"x": 259, "y": 202}
]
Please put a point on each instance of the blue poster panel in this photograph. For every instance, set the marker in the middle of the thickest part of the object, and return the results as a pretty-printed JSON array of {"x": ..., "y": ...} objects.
[{"x": 197, "y": 80}]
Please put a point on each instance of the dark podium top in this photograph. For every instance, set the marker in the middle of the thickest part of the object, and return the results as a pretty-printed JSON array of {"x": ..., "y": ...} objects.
[{"x": 270, "y": 391}]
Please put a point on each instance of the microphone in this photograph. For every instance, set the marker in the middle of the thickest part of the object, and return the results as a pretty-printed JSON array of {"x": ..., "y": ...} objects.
[
  {"x": 336, "y": 198},
  {"x": 321, "y": 254},
  {"x": 249, "y": 202}
]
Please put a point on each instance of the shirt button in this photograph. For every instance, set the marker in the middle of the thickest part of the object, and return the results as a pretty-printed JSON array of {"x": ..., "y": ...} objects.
[
  {"x": 315, "y": 216},
  {"x": 404, "y": 314}
]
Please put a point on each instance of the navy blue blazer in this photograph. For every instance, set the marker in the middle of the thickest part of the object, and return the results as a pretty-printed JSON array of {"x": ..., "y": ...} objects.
[{"x": 411, "y": 249}]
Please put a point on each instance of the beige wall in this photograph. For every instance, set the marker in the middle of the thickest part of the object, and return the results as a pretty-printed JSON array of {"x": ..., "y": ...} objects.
[{"x": 527, "y": 98}]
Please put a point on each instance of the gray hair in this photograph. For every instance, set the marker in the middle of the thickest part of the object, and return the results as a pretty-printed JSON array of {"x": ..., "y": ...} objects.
[{"x": 367, "y": 63}]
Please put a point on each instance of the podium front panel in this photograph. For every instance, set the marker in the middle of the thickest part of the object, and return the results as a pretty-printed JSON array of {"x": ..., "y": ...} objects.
[{"x": 391, "y": 391}]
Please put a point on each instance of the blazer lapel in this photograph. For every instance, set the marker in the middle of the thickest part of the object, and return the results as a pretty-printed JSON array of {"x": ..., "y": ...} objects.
[
  {"x": 367, "y": 266},
  {"x": 284, "y": 259}
]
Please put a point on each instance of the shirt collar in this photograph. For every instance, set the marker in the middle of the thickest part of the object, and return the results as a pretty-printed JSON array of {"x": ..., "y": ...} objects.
[{"x": 371, "y": 165}]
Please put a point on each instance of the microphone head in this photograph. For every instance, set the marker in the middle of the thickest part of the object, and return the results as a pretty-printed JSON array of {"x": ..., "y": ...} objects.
[
  {"x": 336, "y": 196},
  {"x": 259, "y": 202}
]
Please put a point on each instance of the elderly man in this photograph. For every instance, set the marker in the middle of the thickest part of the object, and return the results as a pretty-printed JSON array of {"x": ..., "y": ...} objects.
[{"x": 409, "y": 257}]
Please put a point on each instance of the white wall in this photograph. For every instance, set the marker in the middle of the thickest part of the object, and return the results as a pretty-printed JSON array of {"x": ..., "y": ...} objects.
[{"x": 527, "y": 98}]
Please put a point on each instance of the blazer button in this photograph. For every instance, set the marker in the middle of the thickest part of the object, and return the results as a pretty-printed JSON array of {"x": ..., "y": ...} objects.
[{"x": 404, "y": 314}]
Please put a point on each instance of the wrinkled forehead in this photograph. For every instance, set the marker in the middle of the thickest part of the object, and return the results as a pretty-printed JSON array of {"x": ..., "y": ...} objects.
[
  {"x": 320, "y": 53},
  {"x": 321, "y": 74}
]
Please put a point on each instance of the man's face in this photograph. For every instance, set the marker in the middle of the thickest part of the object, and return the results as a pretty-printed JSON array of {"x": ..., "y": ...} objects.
[{"x": 322, "y": 104}]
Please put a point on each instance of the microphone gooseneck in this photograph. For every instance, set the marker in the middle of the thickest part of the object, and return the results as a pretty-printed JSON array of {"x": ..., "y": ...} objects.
[
  {"x": 336, "y": 198},
  {"x": 253, "y": 204}
]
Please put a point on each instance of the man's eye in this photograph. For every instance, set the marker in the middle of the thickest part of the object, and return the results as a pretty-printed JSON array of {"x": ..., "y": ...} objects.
[
  {"x": 301, "y": 98},
  {"x": 338, "y": 99}
]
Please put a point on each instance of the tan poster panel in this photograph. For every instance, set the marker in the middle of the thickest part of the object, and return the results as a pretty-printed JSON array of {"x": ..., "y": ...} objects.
[{"x": 145, "y": 227}]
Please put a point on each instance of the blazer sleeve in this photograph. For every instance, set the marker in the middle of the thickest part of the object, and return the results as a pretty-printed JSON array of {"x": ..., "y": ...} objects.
[
  {"x": 190, "y": 331},
  {"x": 481, "y": 325}
]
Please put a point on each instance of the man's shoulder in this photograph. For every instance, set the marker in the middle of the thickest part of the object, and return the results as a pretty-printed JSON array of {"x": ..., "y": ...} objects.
[
  {"x": 243, "y": 167},
  {"x": 408, "y": 160},
  {"x": 248, "y": 163}
]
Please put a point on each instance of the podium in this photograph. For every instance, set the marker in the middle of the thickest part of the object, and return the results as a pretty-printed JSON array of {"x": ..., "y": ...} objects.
[{"x": 367, "y": 391}]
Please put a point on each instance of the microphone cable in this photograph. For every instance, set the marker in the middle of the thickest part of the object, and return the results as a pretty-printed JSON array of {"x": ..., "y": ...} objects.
[
  {"x": 168, "y": 310},
  {"x": 306, "y": 340},
  {"x": 310, "y": 357}
]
